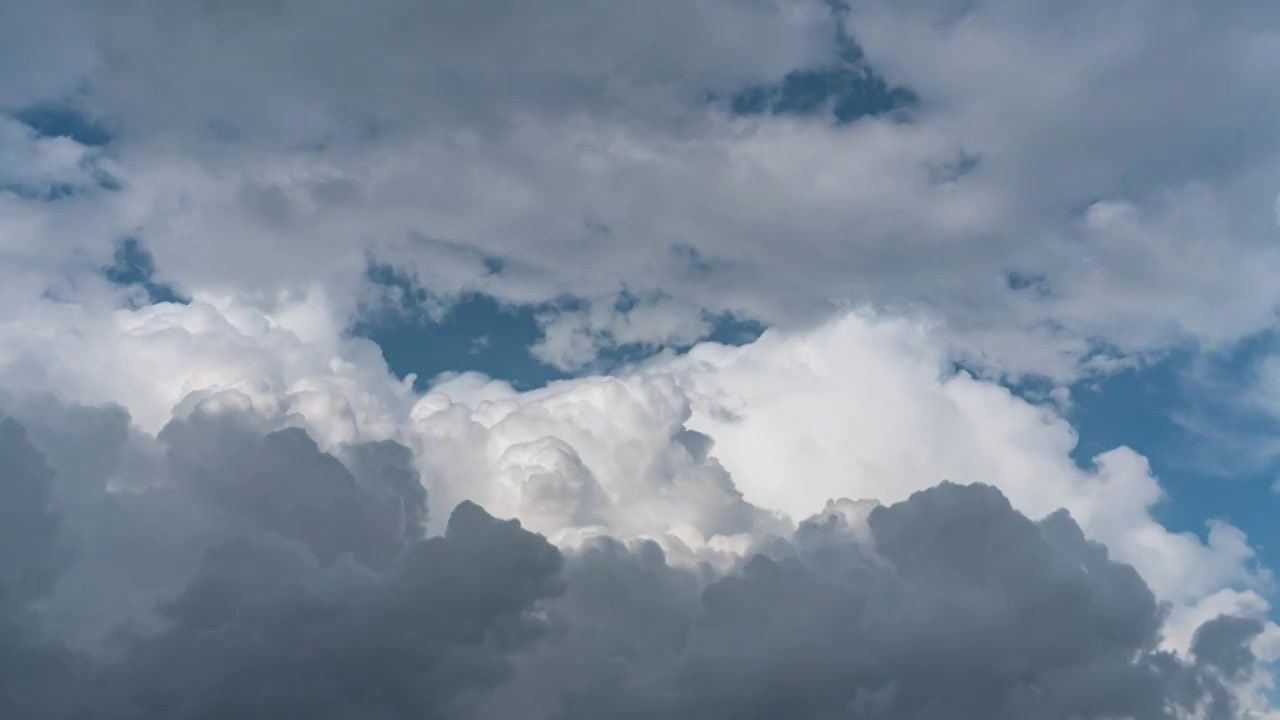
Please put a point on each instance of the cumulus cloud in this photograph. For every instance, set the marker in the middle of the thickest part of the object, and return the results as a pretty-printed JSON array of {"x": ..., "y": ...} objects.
[
  {"x": 872, "y": 407},
  {"x": 278, "y": 556},
  {"x": 959, "y": 607},
  {"x": 158, "y": 359},
  {"x": 947, "y": 604},
  {"x": 700, "y": 452},
  {"x": 34, "y": 557}
]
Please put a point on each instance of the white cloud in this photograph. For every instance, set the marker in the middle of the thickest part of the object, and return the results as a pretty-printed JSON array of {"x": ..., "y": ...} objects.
[
  {"x": 1113, "y": 165},
  {"x": 698, "y": 446},
  {"x": 153, "y": 360},
  {"x": 868, "y": 407}
]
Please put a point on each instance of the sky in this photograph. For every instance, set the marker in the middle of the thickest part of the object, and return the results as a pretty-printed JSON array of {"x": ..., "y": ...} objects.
[{"x": 690, "y": 358}]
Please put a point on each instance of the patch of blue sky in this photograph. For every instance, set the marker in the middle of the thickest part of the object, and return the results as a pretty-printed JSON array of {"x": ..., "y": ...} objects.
[
  {"x": 60, "y": 120},
  {"x": 847, "y": 88},
  {"x": 133, "y": 266},
  {"x": 424, "y": 336},
  {"x": 848, "y": 91},
  {"x": 475, "y": 332}
]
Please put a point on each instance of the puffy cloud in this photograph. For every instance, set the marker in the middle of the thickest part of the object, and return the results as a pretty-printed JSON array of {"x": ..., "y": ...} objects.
[
  {"x": 262, "y": 631},
  {"x": 968, "y": 610},
  {"x": 949, "y": 603},
  {"x": 281, "y": 483},
  {"x": 601, "y": 454},
  {"x": 872, "y": 407},
  {"x": 701, "y": 452},
  {"x": 292, "y": 362},
  {"x": 594, "y": 165},
  {"x": 265, "y": 553}
]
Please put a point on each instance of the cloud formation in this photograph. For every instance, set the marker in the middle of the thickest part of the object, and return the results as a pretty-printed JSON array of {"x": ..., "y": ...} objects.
[
  {"x": 701, "y": 452},
  {"x": 303, "y": 587},
  {"x": 943, "y": 615},
  {"x": 556, "y": 142},
  {"x": 947, "y": 604},
  {"x": 214, "y": 496}
]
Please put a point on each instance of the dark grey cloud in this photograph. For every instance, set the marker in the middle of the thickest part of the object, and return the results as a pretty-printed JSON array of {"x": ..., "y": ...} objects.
[
  {"x": 281, "y": 483},
  {"x": 34, "y": 668},
  {"x": 294, "y": 583},
  {"x": 311, "y": 591},
  {"x": 1223, "y": 644},
  {"x": 31, "y": 556},
  {"x": 263, "y": 631},
  {"x": 966, "y": 609}
]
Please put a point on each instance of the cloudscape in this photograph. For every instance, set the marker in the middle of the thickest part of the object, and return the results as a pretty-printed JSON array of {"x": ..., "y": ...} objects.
[{"x": 694, "y": 359}]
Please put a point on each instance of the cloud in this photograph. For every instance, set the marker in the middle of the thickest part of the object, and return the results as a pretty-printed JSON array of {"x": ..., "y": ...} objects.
[
  {"x": 597, "y": 166},
  {"x": 281, "y": 483},
  {"x": 261, "y": 631},
  {"x": 872, "y": 407},
  {"x": 949, "y": 603},
  {"x": 265, "y": 552},
  {"x": 294, "y": 361},
  {"x": 597, "y": 456},
  {"x": 702, "y": 452},
  {"x": 440, "y": 61},
  {"x": 236, "y": 483},
  {"x": 964, "y": 608},
  {"x": 31, "y": 561}
]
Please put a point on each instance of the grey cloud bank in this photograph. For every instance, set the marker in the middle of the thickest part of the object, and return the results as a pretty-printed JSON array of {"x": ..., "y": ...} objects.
[{"x": 300, "y": 585}]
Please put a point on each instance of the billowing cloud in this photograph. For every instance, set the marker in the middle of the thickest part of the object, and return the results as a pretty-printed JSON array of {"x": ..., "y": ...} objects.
[
  {"x": 947, "y": 604},
  {"x": 958, "y": 607},
  {"x": 278, "y": 557},
  {"x": 702, "y": 452}
]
